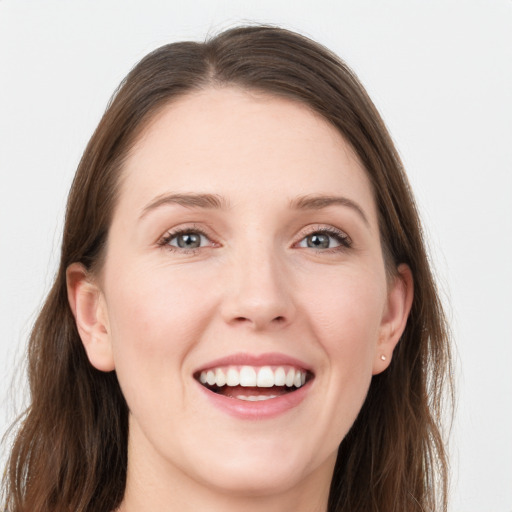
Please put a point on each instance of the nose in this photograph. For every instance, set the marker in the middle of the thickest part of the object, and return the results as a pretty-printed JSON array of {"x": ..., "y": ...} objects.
[{"x": 259, "y": 292}]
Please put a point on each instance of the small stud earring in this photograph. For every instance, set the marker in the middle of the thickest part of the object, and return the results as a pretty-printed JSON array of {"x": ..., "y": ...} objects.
[{"x": 383, "y": 357}]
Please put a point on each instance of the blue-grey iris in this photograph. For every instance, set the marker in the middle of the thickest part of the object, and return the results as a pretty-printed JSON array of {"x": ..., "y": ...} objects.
[
  {"x": 189, "y": 240},
  {"x": 318, "y": 241}
]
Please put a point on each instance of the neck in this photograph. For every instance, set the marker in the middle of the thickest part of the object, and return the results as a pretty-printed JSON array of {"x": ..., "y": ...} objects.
[
  {"x": 154, "y": 484},
  {"x": 185, "y": 500}
]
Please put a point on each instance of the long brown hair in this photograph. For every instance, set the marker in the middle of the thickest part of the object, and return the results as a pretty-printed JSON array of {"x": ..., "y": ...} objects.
[{"x": 70, "y": 452}]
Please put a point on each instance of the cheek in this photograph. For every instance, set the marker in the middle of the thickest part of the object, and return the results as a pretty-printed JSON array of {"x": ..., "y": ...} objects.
[
  {"x": 156, "y": 318},
  {"x": 347, "y": 310},
  {"x": 154, "y": 306},
  {"x": 346, "y": 319}
]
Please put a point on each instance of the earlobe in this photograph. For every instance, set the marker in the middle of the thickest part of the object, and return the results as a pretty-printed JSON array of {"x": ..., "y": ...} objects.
[
  {"x": 89, "y": 309},
  {"x": 394, "y": 320}
]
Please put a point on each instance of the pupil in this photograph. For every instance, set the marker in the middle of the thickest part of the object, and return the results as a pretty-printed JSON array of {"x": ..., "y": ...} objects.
[
  {"x": 190, "y": 240},
  {"x": 318, "y": 241}
]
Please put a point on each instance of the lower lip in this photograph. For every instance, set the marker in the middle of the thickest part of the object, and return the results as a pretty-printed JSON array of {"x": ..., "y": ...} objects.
[{"x": 263, "y": 409}]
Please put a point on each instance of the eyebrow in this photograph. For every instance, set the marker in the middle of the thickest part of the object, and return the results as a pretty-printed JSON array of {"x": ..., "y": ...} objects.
[
  {"x": 215, "y": 201},
  {"x": 208, "y": 201},
  {"x": 318, "y": 202}
]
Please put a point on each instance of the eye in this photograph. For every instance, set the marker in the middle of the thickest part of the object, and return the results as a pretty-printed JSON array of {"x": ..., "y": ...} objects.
[
  {"x": 326, "y": 239},
  {"x": 187, "y": 240}
]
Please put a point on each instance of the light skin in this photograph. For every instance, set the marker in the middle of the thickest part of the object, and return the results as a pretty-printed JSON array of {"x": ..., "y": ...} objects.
[{"x": 278, "y": 268}]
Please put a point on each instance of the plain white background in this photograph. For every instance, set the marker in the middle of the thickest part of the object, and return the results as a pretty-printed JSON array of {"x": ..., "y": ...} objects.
[{"x": 441, "y": 74}]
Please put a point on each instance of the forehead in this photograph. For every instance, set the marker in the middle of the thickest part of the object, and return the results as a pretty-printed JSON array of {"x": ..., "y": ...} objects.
[{"x": 245, "y": 145}]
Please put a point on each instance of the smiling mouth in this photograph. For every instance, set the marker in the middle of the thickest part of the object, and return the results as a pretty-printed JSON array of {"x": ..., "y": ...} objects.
[{"x": 253, "y": 383}]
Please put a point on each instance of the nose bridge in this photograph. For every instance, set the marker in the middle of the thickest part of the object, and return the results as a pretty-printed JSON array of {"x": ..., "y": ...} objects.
[{"x": 258, "y": 292}]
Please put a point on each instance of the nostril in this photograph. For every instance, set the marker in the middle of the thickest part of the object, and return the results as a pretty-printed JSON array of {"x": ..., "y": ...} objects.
[{"x": 278, "y": 320}]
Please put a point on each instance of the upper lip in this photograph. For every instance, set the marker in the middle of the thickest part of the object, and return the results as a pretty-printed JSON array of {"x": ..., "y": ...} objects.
[{"x": 266, "y": 359}]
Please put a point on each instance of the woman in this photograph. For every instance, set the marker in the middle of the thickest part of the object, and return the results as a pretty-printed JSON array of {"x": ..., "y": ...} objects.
[{"x": 244, "y": 316}]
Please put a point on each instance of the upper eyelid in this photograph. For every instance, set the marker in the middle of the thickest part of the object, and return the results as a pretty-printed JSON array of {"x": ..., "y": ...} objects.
[
  {"x": 187, "y": 228},
  {"x": 317, "y": 228}
]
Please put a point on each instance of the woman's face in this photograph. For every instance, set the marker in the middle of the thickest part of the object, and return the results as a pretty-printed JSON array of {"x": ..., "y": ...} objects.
[{"x": 244, "y": 247}]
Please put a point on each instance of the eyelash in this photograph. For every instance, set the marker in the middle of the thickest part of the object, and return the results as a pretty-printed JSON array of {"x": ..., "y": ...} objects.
[
  {"x": 164, "y": 242},
  {"x": 340, "y": 236}
]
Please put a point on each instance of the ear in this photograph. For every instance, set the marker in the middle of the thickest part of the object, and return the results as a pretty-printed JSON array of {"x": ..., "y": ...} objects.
[
  {"x": 90, "y": 311},
  {"x": 394, "y": 320}
]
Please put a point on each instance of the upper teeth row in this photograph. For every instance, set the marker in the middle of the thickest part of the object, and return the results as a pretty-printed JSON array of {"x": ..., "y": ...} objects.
[{"x": 249, "y": 376}]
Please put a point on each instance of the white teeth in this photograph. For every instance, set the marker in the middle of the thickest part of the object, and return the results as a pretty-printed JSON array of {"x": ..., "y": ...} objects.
[
  {"x": 220, "y": 378},
  {"x": 249, "y": 376},
  {"x": 210, "y": 377},
  {"x": 290, "y": 378},
  {"x": 265, "y": 377},
  {"x": 280, "y": 377},
  {"x": 233, "y": 377}
]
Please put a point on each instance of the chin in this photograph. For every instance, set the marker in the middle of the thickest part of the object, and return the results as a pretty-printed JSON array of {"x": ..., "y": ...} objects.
[
  {"x": 261, "y": 469},
  {"x": 263, "y": 480}
]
